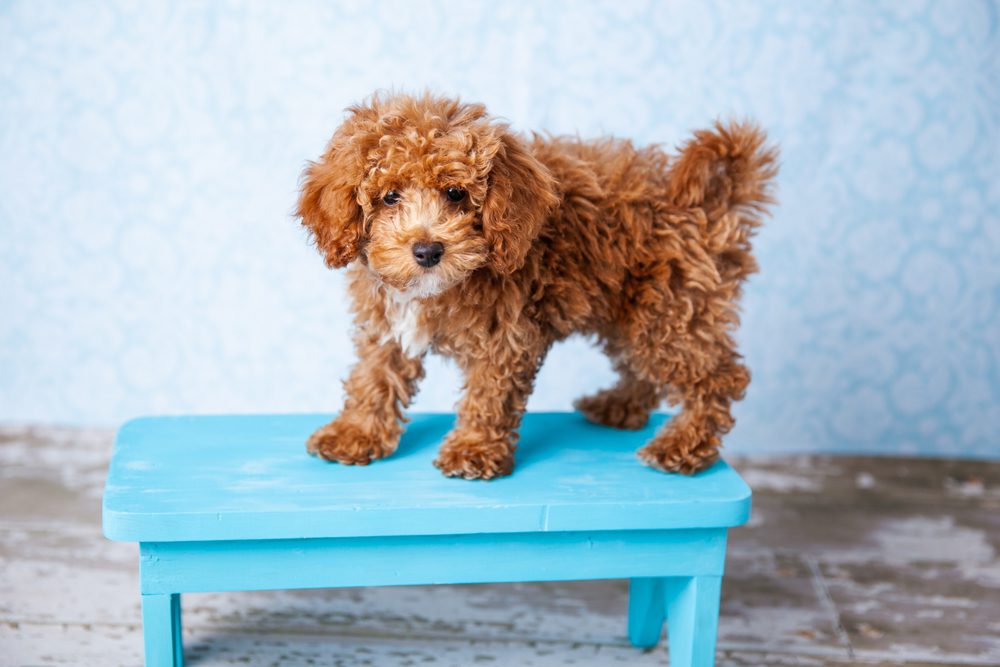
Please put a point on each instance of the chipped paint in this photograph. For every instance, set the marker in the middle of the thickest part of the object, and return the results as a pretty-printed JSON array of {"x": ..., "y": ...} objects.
[
  {"x": 780, "y": 482},
  {"x": 932, "y": 539}
]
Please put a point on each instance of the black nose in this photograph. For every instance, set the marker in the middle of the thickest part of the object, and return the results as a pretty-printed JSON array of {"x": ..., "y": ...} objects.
[{"x": 428, "y": 254}]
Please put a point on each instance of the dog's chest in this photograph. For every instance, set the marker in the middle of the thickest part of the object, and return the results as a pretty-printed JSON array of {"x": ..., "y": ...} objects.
[{"x": 404, "y": 313}]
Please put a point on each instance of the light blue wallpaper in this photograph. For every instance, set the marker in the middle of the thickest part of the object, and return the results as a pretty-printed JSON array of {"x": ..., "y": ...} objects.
[{"x": 149, "y": 155}]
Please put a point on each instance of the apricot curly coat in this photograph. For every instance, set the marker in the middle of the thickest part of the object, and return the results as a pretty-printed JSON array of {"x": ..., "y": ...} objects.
[{"x": 552, "y": 236}]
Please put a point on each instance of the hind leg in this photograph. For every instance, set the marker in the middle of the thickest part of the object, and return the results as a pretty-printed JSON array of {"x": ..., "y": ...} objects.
[
  {"x": 626, "y": 405},
  {"x": 690, "y": 441}
]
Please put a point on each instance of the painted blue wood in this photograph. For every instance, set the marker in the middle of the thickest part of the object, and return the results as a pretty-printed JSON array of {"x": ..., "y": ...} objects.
[
  {"x": 646, "y": 611},
  {"x": 161, "y": 630},
  {"x": 189, "y": 567},
  {"x": 234, "y": 503},
  {"x": 692, "y": 619},
  {"x": 248, "y": 477}
]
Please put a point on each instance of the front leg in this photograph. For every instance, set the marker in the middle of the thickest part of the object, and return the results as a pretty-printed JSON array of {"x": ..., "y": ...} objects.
[
  {"x": 482, "y": 444},
  {"x": 378, "y": 389}
]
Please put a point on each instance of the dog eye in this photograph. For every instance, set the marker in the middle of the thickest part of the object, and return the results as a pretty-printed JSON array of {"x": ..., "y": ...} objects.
[
  {"x": 455, "y": 194},
  {"x": 391, "y": 198}
]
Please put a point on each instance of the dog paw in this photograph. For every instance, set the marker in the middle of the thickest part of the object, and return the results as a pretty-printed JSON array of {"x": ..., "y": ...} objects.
[
  {"x": 472, "y": 458},
  {"x": 348, "y": 443},
  {"x": 607, "y": 409},
  {"x": 680, "y": 452}
]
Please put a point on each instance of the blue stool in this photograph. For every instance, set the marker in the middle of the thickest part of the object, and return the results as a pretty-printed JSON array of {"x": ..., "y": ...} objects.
[{"x": 234, "y": 503}]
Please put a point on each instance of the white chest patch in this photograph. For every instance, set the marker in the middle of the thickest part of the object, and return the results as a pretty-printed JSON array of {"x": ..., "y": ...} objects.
[
  {"x": 403, "y": 313},
  {"x": 403, "y": 310}
]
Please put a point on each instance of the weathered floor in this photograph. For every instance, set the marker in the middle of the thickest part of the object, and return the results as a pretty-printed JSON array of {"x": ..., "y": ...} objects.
[{"x": 846, "y": 561}]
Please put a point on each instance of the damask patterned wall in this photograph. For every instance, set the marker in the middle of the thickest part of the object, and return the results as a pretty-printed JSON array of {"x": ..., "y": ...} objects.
[{"x": 149, "y": 154}]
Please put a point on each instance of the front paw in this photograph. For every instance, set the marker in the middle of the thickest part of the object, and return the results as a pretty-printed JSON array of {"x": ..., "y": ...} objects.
[
  {"x": 350, "y": 443},
  {"x": 472, "y": 457}
]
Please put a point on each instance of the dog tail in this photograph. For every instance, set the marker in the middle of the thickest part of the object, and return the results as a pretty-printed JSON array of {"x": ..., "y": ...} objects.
[{"x": 729, "y": 168}]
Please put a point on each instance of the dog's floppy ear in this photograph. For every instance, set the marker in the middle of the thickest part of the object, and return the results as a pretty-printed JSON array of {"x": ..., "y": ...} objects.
[
  {"x": 328, "y": 204},
  {"x": 520, "y": 193}
]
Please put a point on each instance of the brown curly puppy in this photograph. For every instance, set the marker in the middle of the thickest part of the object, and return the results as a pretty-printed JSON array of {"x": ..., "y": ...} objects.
[{"x": 487, "y": 247}]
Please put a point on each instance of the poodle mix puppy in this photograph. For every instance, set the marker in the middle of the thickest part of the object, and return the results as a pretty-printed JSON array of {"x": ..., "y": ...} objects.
[{"x": 468, "y": 240}]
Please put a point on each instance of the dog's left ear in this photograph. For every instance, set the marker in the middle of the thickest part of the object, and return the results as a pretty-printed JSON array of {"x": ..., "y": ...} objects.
[{"x": 520, "y": 193}]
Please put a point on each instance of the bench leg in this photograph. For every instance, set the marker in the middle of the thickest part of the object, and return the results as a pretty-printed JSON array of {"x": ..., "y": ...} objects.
[
  {"x": 646, "y": 610},
  {"x": 692, "y": 619},
  {"x": 161, "y": 630}
]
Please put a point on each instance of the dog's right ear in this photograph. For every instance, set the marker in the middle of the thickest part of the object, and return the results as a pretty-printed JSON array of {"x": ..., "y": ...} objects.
[{"x": 328, "y": 204}]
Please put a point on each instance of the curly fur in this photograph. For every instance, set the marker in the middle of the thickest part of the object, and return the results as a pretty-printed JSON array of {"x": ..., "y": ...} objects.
[{"x": 556, "y": 236}]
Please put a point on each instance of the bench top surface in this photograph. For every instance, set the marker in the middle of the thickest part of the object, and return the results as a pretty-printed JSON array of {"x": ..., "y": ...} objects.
[{"x": 249, "y": 477}]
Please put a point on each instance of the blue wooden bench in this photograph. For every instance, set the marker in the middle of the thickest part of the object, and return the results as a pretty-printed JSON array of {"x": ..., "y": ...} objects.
[{"x": 234, "y": 503}]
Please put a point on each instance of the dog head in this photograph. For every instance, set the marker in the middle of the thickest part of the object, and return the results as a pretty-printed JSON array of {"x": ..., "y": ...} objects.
[{"x": 425, "y": 190}]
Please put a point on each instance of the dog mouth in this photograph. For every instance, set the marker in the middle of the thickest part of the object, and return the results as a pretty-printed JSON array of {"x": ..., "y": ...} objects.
[{"x": 429, "y": 283}]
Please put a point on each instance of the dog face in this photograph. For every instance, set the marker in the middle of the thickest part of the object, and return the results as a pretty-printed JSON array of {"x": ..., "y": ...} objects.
[
  {"x": 425, "y": 191},
  {"x": 424, "y": 229}
]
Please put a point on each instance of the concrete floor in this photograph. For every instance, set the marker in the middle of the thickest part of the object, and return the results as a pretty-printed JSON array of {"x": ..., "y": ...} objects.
[{"x": 846, "y": 561}]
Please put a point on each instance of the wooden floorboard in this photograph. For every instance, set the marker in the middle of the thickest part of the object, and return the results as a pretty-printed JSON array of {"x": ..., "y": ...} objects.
[{"x": 846, "y": 561}]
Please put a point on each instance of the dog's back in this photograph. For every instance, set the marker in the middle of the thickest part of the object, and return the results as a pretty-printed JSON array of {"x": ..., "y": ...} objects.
[{"x": 636, "y": 220}]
